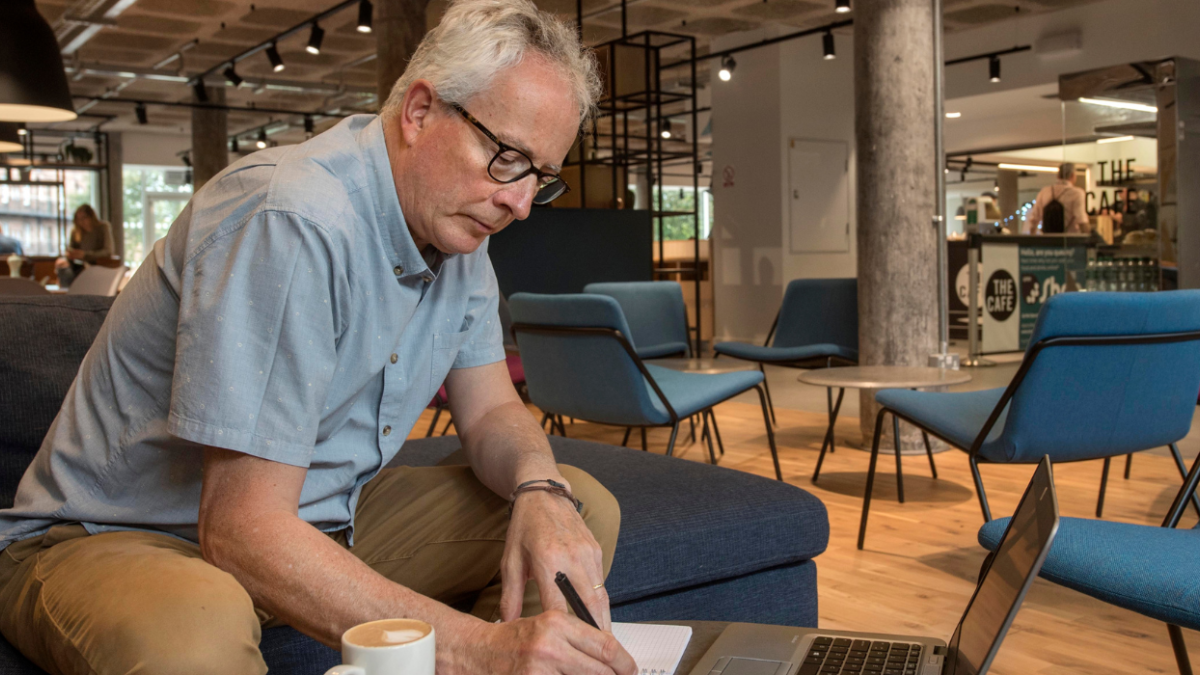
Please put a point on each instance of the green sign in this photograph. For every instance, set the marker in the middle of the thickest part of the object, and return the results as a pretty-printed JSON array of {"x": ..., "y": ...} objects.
[{"x": 1046, "y": 272}]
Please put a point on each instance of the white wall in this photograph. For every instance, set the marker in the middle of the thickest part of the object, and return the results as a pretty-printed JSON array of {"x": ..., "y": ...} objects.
[
  {"x": 788, "y": 91},
  {"x": 747, "y": 276},
  {"x": 154, "y": 149}
]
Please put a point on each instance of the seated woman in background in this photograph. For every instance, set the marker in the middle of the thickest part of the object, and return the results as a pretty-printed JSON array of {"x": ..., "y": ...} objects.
[{"x": 91, "y": 240}]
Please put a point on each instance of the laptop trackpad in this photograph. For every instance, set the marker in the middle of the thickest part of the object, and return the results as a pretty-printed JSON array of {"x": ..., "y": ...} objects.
[{"x": 740, "y": 666}]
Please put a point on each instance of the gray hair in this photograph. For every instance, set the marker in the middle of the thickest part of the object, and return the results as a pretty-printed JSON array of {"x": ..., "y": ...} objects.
[
  {"x": 477, "y": 39},
  {"x": 1065, "y": 171}
]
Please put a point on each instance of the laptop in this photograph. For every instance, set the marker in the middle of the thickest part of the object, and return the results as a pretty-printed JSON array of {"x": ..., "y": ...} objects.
[{"x": 1007, "y": 574}]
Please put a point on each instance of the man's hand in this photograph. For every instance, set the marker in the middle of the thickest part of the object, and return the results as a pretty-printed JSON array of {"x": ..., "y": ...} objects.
[
  {"x": 547, "y": 536},
  {"x": 551, "y": 643}
]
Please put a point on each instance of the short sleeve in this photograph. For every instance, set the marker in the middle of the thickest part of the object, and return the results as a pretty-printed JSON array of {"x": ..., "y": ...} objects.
[
  {"x": 484, "y": 342},
  {"x": 256, "y": 346}
]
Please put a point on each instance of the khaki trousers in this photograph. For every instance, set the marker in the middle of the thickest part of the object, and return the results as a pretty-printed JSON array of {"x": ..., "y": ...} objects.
[{"x": 141, "y": 602}]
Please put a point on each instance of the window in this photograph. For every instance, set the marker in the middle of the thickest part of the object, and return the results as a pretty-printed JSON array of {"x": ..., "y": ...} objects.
[
  {"x": 154, "y": 197},
  {"x": 32, "y": 210},
  {"x": 683, "y": 199}
]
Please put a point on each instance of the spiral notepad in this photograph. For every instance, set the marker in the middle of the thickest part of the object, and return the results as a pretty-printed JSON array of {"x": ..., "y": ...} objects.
[{"x": 655, "y": 648}]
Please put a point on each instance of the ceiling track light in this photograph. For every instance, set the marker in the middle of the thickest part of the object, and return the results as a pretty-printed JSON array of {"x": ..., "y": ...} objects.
[
  {"x": 308, "y": 126},
  {"x": 140, "y": 111},
  {"x": 22, "y": 130},
  {"x": 843, "y": 6},
  {"x": 232, "y": 77},
  {"x": 365, "y": 12},
  {"x": 666, "y": 128},
  {"x": 200, "y": 91},
  {"x": 728, "y": 64},
  {"x": 233, "y": 145},
  {"x": 994, "y": 69},
  {"x": 262, "y": 138},
  {"x": 830, "y": 48},
  {"x": 275, "y": 59},
  {"x": 314, "y": 39}
]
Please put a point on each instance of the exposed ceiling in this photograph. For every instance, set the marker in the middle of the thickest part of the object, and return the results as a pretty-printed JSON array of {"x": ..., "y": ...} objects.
[{"x": 145, "y": 33}]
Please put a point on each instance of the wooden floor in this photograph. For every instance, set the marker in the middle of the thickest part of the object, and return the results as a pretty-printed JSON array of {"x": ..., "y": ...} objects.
[{"x": 922, "y": 558}]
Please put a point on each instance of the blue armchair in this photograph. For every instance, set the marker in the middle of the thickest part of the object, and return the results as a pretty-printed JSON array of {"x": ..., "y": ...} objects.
[
  {"x": 579, "y": 362},
  {"x": 655, "y": 312},
  {"x": 816, "y": 327},
  {"x": 1150, "y": 570},
  {"x": 1106, "y": 374}
]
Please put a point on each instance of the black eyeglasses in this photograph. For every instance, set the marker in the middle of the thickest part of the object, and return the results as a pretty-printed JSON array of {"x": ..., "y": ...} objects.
[{"x": 510, "y": 165}]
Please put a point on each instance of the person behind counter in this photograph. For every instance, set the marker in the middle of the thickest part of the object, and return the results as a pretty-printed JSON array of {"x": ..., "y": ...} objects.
[
  {"x": 91, "y": 240},
  {"x": 1059, "y": 207}
]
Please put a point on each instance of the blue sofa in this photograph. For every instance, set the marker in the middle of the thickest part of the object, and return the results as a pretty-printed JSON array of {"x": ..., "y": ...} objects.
[{"x": 697, "y": 541}]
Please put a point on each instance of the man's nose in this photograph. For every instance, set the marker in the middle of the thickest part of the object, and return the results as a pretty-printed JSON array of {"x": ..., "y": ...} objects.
[{"x": 518, "y": 196}]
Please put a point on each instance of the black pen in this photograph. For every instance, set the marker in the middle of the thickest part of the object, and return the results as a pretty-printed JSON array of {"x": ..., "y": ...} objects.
[{"x": 577, "y": 606}]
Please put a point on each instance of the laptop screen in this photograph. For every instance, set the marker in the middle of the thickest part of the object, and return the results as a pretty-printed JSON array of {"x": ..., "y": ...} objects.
[{"x": 1004, "y": 583}]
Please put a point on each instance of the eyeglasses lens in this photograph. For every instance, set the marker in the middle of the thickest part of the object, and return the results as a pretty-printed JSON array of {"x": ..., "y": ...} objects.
[{"x": 549, "y": 193}]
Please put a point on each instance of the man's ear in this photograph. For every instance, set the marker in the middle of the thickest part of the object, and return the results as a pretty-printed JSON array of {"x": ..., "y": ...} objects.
[{"x": 415, "y": 110}]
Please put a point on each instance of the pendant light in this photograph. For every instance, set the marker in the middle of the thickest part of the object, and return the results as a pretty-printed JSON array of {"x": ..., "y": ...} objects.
[
  {"x": 33, "y": 86},
  {"x": 365, "y": 12},
  {"x": 10, "y": 140},
  {"x": 727, "y": 67},
  {"x": 829, "y": 48},
  {"x": 843, "y": 6}
]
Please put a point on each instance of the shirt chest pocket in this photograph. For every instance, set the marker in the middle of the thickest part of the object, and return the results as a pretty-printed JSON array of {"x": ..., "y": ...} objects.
[{"x": 445, "y": 350}]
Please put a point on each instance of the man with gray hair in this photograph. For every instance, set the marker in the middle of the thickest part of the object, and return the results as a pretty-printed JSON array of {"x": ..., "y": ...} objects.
[{"x": 217, "y": 466}]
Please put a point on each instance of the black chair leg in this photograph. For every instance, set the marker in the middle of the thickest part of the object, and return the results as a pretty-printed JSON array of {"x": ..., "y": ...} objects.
[
  {"x": 716, "y": 432},
  {"x": 437, "y": 412},
  {"x": 1186, "y": 492},
  {"x": 767, "y": 388},
  {"x": 561, "y": 429},
  {"x": 929, "y": 453},
  {"x": 625, "y": 441},
  {"x": 1103, "y": 486},
  {"x": 1180, "y": 647},
  {"x": 692, "y": 424},
  {"x": 1128, "y": 464},
  {"x": 829, "y": 409},
  {"x": 1183, "y": 472},
  {"x": 544, "y": 418},
  {"x": 983, "y": 502},
  {"x": 899, "y": 470},
  {"x": 829, "y": 441},
  {"x": 447, "y": 427},
  {"x": 644, "y": 448},
  {"x": 762, "y": 399},
  {"x": 671, "y": 443},
  {"x": 862, "y": 526},
  {"x": 708, "y": 436}
]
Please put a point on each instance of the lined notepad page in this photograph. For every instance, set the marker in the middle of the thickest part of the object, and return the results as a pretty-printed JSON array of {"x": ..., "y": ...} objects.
[{"x": 655, "y": 648}]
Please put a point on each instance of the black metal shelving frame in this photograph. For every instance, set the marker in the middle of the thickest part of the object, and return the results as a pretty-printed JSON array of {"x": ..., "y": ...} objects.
[{"x": 614, "y": 148}]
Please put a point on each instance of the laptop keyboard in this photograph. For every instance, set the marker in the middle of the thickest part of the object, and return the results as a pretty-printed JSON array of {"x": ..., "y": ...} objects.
[{"x": 829, "y": 655}]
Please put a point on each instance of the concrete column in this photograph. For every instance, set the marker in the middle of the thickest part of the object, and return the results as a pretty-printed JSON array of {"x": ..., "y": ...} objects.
[
  {"x": 210, "y": 136},
  {"x": 399, "y": 26},
  {"x": 114, "y": 187},
  {"x": 897, "y": 244}
]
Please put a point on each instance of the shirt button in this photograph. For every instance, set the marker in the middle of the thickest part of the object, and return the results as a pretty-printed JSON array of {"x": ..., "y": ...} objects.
[
  {"x": 387, "y": 431},
  {"x": 427, "y": 279},
  {"x": 395, "y": 358},
  {"x": 398, "y": 270}
]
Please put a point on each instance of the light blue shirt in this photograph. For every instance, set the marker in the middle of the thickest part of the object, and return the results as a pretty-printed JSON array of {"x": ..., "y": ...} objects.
[{"x": 286, "y": 315}]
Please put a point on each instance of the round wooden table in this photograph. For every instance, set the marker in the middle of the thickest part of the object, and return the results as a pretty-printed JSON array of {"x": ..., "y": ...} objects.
[{"x": 878, "y": 377}]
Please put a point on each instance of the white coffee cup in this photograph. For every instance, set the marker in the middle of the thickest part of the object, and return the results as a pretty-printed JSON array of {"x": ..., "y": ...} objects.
[{"x": 387, "y": 647}]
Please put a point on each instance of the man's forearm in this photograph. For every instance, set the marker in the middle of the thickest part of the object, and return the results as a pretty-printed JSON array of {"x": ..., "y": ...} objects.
[
  {"x": 308, "y": 581},
  {"x": 506, "y": 447}
]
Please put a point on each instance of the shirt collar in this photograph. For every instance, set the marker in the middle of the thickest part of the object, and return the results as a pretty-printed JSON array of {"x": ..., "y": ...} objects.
[{"x": 402, "y": 251}]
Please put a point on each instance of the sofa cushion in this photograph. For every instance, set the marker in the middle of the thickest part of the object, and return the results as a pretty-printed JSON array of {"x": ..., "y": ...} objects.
[
  {"x": 43, "y": 339},
  {"x": 683, "y": 523}
]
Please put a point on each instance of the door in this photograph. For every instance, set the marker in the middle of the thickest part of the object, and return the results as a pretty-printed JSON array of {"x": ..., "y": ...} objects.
[{"x": 819, "y": 196}]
